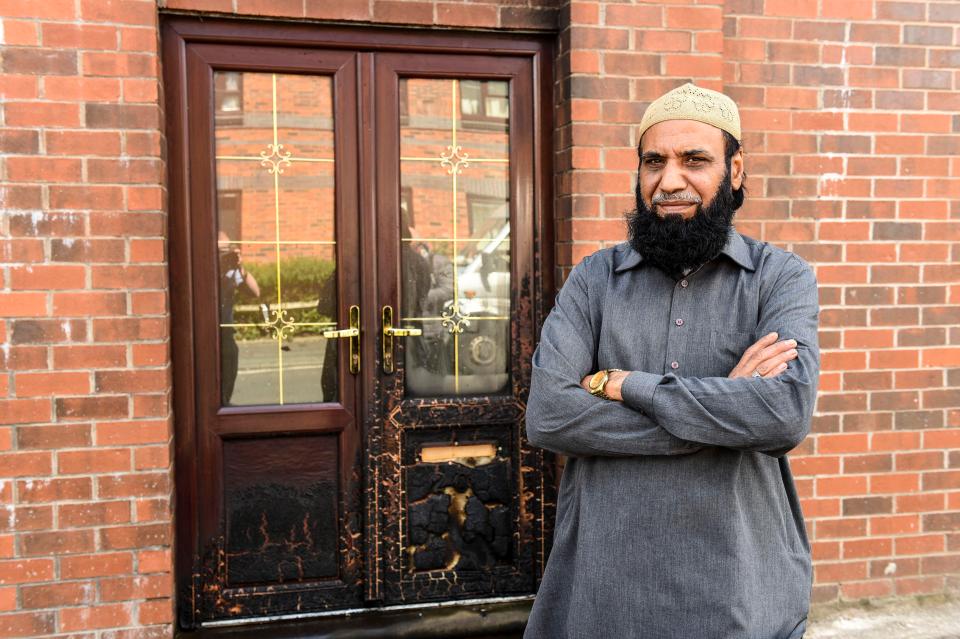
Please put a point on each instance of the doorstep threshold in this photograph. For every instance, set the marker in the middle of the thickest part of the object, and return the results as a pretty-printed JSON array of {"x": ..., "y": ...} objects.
[{"x": 500, "y": 616}]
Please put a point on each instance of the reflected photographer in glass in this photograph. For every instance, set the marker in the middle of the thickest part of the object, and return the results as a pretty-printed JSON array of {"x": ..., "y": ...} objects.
[{"x": 233, "y": 279}]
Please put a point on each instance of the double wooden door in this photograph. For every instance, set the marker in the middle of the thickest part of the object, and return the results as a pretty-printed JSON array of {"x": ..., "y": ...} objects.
[{"x": 356, "y": 289}]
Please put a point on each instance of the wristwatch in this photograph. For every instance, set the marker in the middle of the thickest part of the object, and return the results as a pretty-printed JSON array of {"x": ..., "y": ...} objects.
[{"x": 598, "y": 383}]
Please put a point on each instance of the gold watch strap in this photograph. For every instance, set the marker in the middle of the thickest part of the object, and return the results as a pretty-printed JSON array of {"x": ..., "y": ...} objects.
[{"x": 601, "y": 391}]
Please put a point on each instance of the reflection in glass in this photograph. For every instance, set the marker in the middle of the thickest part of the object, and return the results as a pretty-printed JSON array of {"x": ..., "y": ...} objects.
[
  {"x": 276, "y": 240},
  {"x": 455, "y": 236}
]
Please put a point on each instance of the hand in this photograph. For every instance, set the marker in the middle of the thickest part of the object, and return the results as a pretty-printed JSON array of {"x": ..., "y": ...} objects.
[
  {"x": 767, "y": 357},
  {"x": 612, "y": 389}
]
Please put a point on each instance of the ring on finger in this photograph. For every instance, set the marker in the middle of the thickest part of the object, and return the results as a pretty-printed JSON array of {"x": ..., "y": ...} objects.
[{"x": 757, "y": 373}]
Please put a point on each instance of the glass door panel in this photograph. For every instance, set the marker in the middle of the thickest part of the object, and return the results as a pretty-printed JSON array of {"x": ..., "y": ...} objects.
[
  {"x": 455, "y": 235},
  {"x": 276, "y": 237}
]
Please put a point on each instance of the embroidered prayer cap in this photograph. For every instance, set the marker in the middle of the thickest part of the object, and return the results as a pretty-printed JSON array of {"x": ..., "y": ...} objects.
[{"x": 690, "y": 102}]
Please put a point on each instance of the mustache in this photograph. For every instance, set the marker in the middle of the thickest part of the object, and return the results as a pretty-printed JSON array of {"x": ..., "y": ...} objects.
[{"x": 690, "y": 198}]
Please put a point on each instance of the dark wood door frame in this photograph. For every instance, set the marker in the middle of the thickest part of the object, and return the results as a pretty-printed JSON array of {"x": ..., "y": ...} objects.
[{"x": 180, "y": 31}]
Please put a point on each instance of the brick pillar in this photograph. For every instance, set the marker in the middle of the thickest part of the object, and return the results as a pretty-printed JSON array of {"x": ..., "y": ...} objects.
[{"x": 84, "y": 413}]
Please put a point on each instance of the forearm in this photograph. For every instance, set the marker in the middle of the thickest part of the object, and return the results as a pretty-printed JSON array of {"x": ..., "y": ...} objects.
[
  {"x": 565, "y": 418},
  {"x": 766, "y": 415}
]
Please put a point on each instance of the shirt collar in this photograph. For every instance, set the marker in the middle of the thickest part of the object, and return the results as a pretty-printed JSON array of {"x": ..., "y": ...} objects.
[{"x": 735, "y": 248}]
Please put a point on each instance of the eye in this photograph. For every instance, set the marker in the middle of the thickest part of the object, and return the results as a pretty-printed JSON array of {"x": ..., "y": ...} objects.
[
  {"x": 696, "y": 161},
  {"x": 653, "y": 162}
]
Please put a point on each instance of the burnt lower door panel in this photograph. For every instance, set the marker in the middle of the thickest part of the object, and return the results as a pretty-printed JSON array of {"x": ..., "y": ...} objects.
[
  {"x": 461, "y": 511},
  {"x": 282, "y": 526}
]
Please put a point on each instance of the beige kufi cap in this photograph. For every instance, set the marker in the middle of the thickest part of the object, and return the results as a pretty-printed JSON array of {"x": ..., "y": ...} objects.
[{"x": 690, "y": 102}]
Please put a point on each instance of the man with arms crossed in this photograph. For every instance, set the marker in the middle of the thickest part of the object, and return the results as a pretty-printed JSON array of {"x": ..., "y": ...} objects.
[{"x": 677, "y": 515}]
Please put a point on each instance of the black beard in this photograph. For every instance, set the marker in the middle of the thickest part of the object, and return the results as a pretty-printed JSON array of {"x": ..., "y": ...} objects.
[{"x": 674, "y": 244}]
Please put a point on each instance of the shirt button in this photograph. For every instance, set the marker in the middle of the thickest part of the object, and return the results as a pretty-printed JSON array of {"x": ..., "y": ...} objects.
[
  {"x": 674, "y": 365},
  {"x": 684, "y": 283},
  {"x": 679, "y": 322}
]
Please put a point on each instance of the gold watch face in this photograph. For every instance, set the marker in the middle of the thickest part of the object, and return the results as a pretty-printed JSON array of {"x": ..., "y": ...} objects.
[{"x": 597, "y": 380}]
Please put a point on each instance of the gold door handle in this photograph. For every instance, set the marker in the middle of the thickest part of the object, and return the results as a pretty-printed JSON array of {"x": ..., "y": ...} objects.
[
  {"x": 353, "y": 334},
  {"x": 346, "y": 332},
  {"x": 403, "y": 332},
  {"x": 389, "y": 332}
]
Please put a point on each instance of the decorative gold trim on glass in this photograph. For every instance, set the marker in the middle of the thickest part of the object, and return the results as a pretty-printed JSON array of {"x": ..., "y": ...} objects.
[
  {"x": 454, "y": 160},
  {"x": 441, "y": 239},
  {"x": 272, "y": 242},
  {"x": 275, "y": 159},
  {"x": 443, "y": 318},
  {"x": 455, "y": 320}
]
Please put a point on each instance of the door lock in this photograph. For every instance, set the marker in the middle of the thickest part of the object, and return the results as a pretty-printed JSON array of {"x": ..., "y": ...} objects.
[
  {"x": 389, "y": 332},
  {"x": 353, "y": 334}
]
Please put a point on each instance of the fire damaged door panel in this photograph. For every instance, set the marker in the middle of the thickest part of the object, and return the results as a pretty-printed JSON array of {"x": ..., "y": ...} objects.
[
  {"x": 460, "y": 501},
  {"x": 273, "y": 480}
]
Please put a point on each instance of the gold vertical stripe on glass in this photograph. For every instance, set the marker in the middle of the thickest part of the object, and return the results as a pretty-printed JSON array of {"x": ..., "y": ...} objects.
[
  {"x": 455, "y": 159},
  {"x": 275, "y": 159}
]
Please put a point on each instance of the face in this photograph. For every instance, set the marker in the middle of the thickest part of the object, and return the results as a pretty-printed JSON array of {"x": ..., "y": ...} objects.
[{"x": 682, "y": 165}]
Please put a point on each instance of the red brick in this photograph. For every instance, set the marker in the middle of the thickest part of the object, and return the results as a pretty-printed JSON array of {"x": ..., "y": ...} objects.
[
  {"x": 149, "y": 561},
  {"x": 846, "y": 571},
  {"x": 837, "y": 486},
  {"x": 126, "y": 588},
  {"x": 91, "y": 407},
  {"x": 864, "y": 548},
  {"x": 25, "y": 464},
  {"x": 94, "y": 514},
  {"x": 133, "y": 485},
  {"x": 79, "y": 356},
  {"x": 89, "y": 303},
  {"x": 51, "y": 383},
  {"x": 19, "y": 571},
  {"x": 151, "y": 458},
  {"x": 48, "y": 276},
  {"x": 21, "y": 411},
  {"x": 694, "y": 17},
  {"x": 93, "y": 461},
  {"x": 78, "y": 36},
  {"x": 59, "y": 542},
  {"x": 74, "y": 593},
  {"x": 128, "y": 537},
  {"x": 56, "y": 489},
  {"x": 894, "y": 525},
  {"x": 158, "y": 611},
  {"x": 634, "y": 15},
  {"x": 94, "y": 617},
  {"x": 70, "y": 89},
  {"x": 27, "y": 624},
  {"x": 98, "y": 565}
]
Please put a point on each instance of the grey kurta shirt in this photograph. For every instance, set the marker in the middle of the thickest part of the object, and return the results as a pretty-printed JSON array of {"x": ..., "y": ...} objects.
[{"x": 677, "y": 514}]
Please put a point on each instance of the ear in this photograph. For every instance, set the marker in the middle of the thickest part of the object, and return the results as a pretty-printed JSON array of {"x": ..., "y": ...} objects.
[{"x": 736, "y": 169}]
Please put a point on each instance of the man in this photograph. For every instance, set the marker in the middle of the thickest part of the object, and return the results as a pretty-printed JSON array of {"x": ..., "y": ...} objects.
[
  {"x": 677, "y": 515},
  {"x": 233, "y": 278}
]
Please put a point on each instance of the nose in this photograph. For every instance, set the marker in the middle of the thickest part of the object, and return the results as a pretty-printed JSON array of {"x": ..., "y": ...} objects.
[{"x": 672, "y": 180}]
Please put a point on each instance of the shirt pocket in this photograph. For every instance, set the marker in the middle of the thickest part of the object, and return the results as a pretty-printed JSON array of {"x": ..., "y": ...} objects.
[{"x": 727, "y": 347}]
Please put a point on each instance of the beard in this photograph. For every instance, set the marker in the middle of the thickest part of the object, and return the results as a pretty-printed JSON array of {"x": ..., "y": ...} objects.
[{"x": 674, "y": 244}]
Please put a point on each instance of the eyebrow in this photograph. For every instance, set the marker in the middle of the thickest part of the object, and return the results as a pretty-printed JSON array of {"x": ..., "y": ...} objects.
[{"x": 653, "y": 155}]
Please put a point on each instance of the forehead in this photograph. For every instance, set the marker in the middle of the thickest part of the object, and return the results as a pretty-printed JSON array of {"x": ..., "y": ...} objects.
[{"x": 676, "y": 136}]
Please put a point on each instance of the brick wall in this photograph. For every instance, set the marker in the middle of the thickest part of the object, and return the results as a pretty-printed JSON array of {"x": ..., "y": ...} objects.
[
  {"x": 852, "y": 143},
  {"x": 85, "y": 479}
]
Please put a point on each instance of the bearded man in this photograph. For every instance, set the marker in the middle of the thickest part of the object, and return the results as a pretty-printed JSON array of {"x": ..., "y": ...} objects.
[{"x": 677, "y": 514}]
